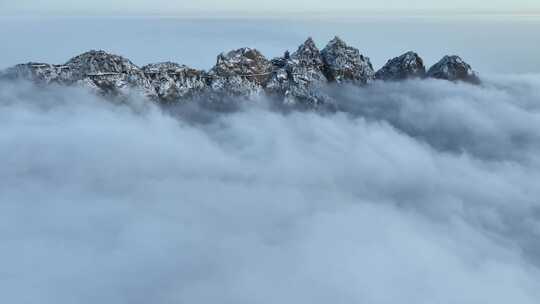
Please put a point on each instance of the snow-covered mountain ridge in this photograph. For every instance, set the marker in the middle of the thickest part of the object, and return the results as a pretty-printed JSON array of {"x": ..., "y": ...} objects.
[{"x": 294, "y": 78}]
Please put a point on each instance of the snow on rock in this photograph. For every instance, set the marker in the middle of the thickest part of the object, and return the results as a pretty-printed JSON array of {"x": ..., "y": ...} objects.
[
  {"x": 42, "y": 73},
  {"x": 308, "y": 55},
  {"x": 453, "y": 68},
  {"x": 408, "y": 65},
  {"x": 174, "y": 82},
  {"x": 298, "y": 78},
  {"x": 343, "y": 63},
  {"x": 241, "y": 72},
  {"x": 114, "y": 75}
]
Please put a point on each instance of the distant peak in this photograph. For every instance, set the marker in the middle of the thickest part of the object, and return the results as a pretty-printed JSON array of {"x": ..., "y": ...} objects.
[
  {"x": 409, "y": 54},
  {"x": 453, "y": 68},
  {"x": 453, "y": 58},
  {"x": 406, "y": 66},
  {"x": 309, "y": 44},
  {"x": 241, "y": 52},
  {"x": 95, "y": 53},
  {"x": 309, "y": 41},
  {"x": 101, "y": 62},
  {"x": 308, "y": 47},
  {"x": 337, "y": 42}
]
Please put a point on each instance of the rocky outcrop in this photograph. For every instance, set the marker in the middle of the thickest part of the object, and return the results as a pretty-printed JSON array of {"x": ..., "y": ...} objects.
[
  {"x": 406, "y": 66},
  {"x": 240, "y": 72},
  {"x": 42, "y": 73},
  {"x": 299, "y": 79},
  {"x": 343, "y": 63},
  {"x": 453, "y": 68},
  {"x": 173, "y": 82},
  {"x": 110, "y": 74},
  {"x": 103, "y": 73}
]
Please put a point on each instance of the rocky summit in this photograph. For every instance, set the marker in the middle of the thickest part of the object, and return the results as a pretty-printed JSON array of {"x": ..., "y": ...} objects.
[
  {"x": 299, "y": 78},
  {"x": 453, "y": 68},
  {"x": 406, "y": 66},
  {"x": 109, "y": 74},
  {"x": 343, "y": 63},
  {"x": 240, "y": 72}
]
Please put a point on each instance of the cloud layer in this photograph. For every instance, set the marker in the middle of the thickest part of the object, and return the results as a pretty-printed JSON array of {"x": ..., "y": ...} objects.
[{"x": 420, "y": 192}]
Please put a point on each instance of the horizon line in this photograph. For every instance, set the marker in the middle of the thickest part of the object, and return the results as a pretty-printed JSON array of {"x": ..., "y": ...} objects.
[{"x": 200, "y": 14}]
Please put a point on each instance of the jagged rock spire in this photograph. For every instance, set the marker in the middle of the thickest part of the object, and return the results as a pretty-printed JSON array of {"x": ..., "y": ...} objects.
[
  {"x": 343, "y": 63},
  {"x": 453, "y": 68},
  {"x": 408, "y": 65},
  {"x": 308, "y": 54},
  {"x": 298, "y": 79}
]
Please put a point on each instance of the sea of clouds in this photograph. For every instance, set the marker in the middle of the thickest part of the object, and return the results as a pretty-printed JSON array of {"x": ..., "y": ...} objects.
[{"x": 415, "y": 192}]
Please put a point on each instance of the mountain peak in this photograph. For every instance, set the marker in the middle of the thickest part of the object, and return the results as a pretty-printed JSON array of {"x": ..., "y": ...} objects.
[
  {"x": 408, "y": 65},
  {"x": 345, "y": 63},
  {"x": 101, "y": 62},
  {"x": 337, "y": 42},
  {"x": 308, "y": 54},
  {"x": 453, "y": 68}
]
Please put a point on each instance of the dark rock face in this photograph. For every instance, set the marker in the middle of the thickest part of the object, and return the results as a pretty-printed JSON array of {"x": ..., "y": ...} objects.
[
  {"x": 343, "y": 63},
  {"x": 408, "y": 65},
  {"x": 453, "y": 68},
  {"x": 173, "y": 82},
  {"x": 298, "y": 78}
]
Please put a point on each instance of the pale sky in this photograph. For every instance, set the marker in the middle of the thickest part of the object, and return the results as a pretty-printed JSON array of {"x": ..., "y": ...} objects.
[{"x": 180, "y": 7}]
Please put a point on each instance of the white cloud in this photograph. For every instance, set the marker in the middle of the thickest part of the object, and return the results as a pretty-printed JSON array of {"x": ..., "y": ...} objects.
[{"x": 424, "y": 199}]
